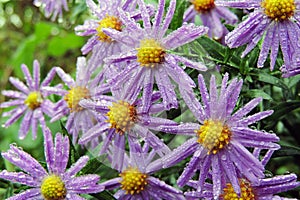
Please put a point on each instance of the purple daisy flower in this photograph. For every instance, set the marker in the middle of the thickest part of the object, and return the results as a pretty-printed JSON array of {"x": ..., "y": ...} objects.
[
  {"x": 211, "y": 16},
  {"x": 30, "y": 100},
  {"x": 135, "y": 181},
  {"x": 125, "y": 119},
  {"x": 219, "y": 143},
  {"x": 52, "y": 7},
  {"x": 100, "y": 44},
  {"x": 265, "y": 189},
  {"x": 57, "y": 183},
  {"x": 151, "y": 61},
  {"x": 79, "y": 119},
  {"x": 281, "y": 28}
]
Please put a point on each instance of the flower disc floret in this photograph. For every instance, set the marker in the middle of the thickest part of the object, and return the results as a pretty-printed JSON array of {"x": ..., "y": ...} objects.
[
  {"x": 279, "y": 9},
  {"x": 202, "y": 6},
  {"x": 122, "y": 116},
  {"x": 74, "y": 96},
  {"x": 133, "y": 181},
  {"x": 108, "y": 22},
  {"x": 53, "y": 188},
  {"x": 150, "y": 53},
  {"x": 33, "y": 100},
  {"x": 213, "y": 135},
  {"x": 247, "y": 192}
]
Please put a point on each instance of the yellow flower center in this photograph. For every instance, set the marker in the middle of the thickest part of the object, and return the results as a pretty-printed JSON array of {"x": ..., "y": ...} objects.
[
  {"x": 203, "y": 5},
  {"x": 213, "y": 135},
  {"x": 150, "y": 53},
  {"x": 108, "y": 22},
  {"x": 133, "y": 181},
  {"x": 33, "y": 100},
  {"x": 122, "y": 116},
  {"x": 53, "y": 188},
  {"x": 74, "y": 96},
  {"x": 247, "y": 193},
  {"x": 279, "y": 10}
]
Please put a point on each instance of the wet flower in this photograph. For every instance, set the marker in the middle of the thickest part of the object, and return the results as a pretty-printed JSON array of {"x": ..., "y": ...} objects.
[
  {"x": 52, "y": 8},
  {"x": 30, "y": 101},
  {"x": 211, "y": 16},
  {"x": 107, "y": 15},
  {"x": 219, "y": 143},
  {"x": 150, "y": 60},
  {"x": 125, "y": 120},
  {"x": 57, "y": 183},
  {"x": 276, "y": 19},
  {"x": 136, "y": 182},
  {"x": 79, "y": 119},
  {"x": 266, "y": 188}
]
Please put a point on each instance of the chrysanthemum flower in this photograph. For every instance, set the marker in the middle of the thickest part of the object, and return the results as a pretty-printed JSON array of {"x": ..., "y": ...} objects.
[
  {"x": 79, "y": 119},
  {"x": 151, "y": 61},
  {"x": 277, "y": 22},
  {"x": 265, "y": 189},
  {"x": 53, "y": 8},
  {"x": 125, "y": 119},
  {"x": 100, "y": 44},
  {"x": 57, "y": 183},
  {"x": 30, "y": 100},
  {"x": 135, "y": 181},
  {"x": 211, "y": 16},
  {"x": 219, "y": 143}
]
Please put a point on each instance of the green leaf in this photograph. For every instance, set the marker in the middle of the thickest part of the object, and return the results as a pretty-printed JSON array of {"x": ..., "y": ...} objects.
[
  {"x": 215, "y": 49},
  {"x": 282, "y": 109},
  {"x": 178, "y": 15},
  {"x": 267, "y": 78},
  {"x": 73, "y": 156},
  {"x": 257, "y": 93},
  {"x": 286, "y": 150},
  {"x": 95, "y": 166},
  {"x": 58, "y": 46},
  {"x": 105, "y": 195}
]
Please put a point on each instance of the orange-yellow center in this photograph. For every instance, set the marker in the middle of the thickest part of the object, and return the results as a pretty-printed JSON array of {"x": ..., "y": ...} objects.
[
  {"x": 108, "y": 22},
  {"x": 53, "y": 188},
  {"x": 213, "y": 135},
  {"x": 33, "y": 100},
  {"x": 74, "y": 96},
  {"x": 133, "y": 181},
  {"x": 122, "y": 116},
  {"x": 150, "y": 53},
  {"x": 279, "y": 10},
  {"x": 203, "y": 5},
  {"x": 247, "y": 192}
]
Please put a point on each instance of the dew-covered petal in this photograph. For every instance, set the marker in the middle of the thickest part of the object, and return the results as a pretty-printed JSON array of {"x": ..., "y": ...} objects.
[
  {"x": 20, "y": 177},
  {"x": 24, "y": 161},
  {"x": 183, "y": 35},
  {"x": 30, "y": 194}
]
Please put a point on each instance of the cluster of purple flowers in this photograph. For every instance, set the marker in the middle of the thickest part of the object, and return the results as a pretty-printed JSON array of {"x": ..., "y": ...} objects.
[{"x": 131, "y": 77}]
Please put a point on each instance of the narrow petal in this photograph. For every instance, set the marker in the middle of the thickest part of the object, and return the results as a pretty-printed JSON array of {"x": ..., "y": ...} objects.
[{"x": 183, "y": 35}]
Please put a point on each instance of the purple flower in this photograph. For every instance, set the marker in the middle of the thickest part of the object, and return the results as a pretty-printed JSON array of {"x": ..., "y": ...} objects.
[
  {"x": 219, "y": 143},
  {"x": 135, "y": 181},
  {"x": 211, "y": 16},
  {"x": 124, "y": 118},
  {"x": 52, "y": 7},
  {"x": 280, "y": 28},
  {"x": 79, "y": 119},
  {"x": 30, "y": 100},
  {"x": 265, "y": 189},
  {"x": 151, "y": 61},
  {"x": 57, "y": 183},
  {"x": 100, "y": 44}
]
